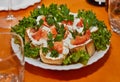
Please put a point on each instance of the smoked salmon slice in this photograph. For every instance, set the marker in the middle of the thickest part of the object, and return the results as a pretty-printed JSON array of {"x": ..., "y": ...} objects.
[
  {"x": 39, "y": 34},
  {"x": 58, "y": 46}
]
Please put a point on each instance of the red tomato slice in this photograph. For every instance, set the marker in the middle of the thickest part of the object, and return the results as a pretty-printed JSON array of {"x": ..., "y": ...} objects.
[{"x": 58, "y": 46}]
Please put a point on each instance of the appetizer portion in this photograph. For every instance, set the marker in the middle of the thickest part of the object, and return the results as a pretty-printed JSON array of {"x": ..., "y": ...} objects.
[{"x": 59, "y": 37}]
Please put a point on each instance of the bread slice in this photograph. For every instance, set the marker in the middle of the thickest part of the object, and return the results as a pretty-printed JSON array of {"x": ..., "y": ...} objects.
[
  {"x": 81, "y": 47},
  {"x": 90, "y": 48},
  {"x": 51, "y": 61},
  {"x": 26, "y": 36}
]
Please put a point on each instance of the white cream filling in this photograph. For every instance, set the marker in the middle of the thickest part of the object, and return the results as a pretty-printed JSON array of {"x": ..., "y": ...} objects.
[
  {"x": 39, "y": 18},
  {"x": 65, "y": 52},
  {"x": 74, "y": 26},
  {"x": 41, "y": 41},
  {"x": 93, "y": 28},
  {"x": 78, "y": 29},
  {"x": 46, "y": 29}
]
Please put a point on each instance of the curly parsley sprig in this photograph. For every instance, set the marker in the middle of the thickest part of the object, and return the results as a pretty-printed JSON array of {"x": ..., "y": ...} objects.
[
  {"x": 101, "y": 39},
  {"x": 89, "y": 18}
]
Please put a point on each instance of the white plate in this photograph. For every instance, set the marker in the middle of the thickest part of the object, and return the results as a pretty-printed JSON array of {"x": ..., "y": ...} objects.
[
  {"x": 36, "y": 62},
  {"x": 94, "y": 58},
  {"x": 17, "y": 4}
]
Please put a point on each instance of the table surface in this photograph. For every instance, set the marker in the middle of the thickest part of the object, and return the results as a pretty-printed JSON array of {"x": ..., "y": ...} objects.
[{"x": 107, "y": 69}]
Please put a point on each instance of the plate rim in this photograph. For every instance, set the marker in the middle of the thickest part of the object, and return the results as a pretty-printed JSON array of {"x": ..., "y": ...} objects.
[{"x": 21, "y": 6}]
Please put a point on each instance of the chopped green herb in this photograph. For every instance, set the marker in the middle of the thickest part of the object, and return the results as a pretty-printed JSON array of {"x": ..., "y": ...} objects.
[
  {"x": 61, "y": 31},
  {"x": 74, "y": 33},
  {"x": 54, "y": 53},
  {"x": 50, "y": 40},
  {"x": 40, "y": 23},
  {"x": 45, "y": 50},
  {"x": 50, "y": 20}
]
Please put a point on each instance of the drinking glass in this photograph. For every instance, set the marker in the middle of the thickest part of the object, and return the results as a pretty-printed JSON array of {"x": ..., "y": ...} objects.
[
  {"x": 11, "y": 57},
  {"x": 10, "y": 20},
  {"x": 114, "y": 15}
]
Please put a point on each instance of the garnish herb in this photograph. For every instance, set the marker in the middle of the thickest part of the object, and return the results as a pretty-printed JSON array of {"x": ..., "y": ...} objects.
[
  {"x": 39, "y": 11},
  {"x": 40, "y": 24},
  {"x": 61, "y": 31},
  {"x": 50, "y": 40},
  {"x": 89, "y": 18},
  {"x": 45, "y": 50},
  {"x": 54, "y": 53},
  {"x": 28, "y": 22},
  {"x": 75, "y": 33},
  {"x": 50, "y": 20}
]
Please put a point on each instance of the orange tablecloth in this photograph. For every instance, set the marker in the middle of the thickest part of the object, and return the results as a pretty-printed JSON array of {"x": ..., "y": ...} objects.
[{"x": 106, "y": 69}]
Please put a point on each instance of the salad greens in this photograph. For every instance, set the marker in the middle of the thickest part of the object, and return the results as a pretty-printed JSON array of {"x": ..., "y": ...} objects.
[
  {"x": 54, "y": 15},
  {"x": 32, "y": 52},
  {"x": 101, "y": 39},
  {"x": 102, "y": 36},
  {"x": 88, "y": 17},
  {"x": 78, "y": 56}
]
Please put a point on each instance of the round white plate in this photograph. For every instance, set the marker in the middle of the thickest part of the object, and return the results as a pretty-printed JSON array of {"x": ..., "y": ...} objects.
[
  {"x": 94, "y": 58},
  {"x": 17, "y": 4},
  {"x": 36, "y": 62}
]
